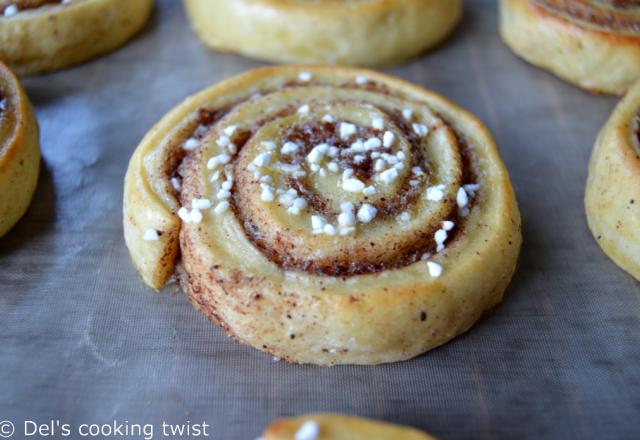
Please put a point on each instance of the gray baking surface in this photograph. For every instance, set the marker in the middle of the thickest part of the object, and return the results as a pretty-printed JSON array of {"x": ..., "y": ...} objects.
[{"x": 83, "y": 341}]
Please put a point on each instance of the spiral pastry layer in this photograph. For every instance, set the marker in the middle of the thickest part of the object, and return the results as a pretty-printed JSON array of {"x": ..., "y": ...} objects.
[
  {"x": 19, "y": 151},
  {"x": 42, "y": 35},
  {"x": 349, "y": 32},
  {"x": 613, "y": 187},
  {"x": 325, "y": 215},
  {"x": 594, "y": 44},
  {"x": 324, "y": 426}
]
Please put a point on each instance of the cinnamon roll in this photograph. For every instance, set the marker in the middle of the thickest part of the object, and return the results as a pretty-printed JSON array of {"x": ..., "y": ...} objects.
[
  {"x": 42, "y": 35},
  {"x": 338, "y": 427},
  {"x": 350, "y": 32},
  {"x": 325, "y": 215},
  {"x": 19, "y": 151},
  {"x": 613, "y": 187},
  {"x": 594, "y": 44}
]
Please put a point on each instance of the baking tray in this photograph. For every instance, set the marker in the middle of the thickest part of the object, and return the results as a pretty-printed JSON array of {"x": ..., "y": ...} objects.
[{"x": 83, "y": 341}]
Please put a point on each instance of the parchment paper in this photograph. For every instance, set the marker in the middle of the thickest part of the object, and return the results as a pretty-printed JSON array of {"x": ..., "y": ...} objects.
[{"x": 83, "y": 341}]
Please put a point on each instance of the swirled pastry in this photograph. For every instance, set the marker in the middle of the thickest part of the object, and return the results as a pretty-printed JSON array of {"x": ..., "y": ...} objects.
[
  {"x": 338, "y": 427},
  {"x": 594, "y": 44},
  {"x": 41, "y": 35},
  {"x": 325, "y": 215},
  {"x": 19, "y": 151},
  {"x": 613, "y": 187},
  {"x": 351, "y": 32}
]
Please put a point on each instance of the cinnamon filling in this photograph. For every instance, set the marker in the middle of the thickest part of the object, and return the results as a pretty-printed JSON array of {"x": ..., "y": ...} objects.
[
  {"x": 344, "y": 265},
  {"x": 316, "y": 132},
  {"x": 203, "y": 123},
  {"x": 615, "y": 15}
]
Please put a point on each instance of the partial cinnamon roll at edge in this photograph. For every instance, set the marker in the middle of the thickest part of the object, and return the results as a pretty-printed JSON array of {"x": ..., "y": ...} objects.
[
  {"x": 325, "y": 215},
  {"x": 42, "y": 35},
  {"x": 594, "y": 44},
  {"x": 327, "y": 426},
  {"x": 19, "y": 151},
  {"x": 346, "y": 32},
  {"x": 613, "y": 187}
]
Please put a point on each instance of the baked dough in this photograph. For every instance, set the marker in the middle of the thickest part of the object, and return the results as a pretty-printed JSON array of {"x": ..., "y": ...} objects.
[
  {"x": 19, "y": 151},
  {"x": 613, "y": 187},
  {"x": 428, "y": 245},
  {"x": 338, "y": 427},
  {"x": 594, "y": 44},
  {"x": 349, "y": 32},
  {"x": 46, "y": 35}
]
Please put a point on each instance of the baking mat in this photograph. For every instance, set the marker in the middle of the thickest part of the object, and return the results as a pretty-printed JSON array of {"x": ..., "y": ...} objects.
[{"x": 83, "y": 341}]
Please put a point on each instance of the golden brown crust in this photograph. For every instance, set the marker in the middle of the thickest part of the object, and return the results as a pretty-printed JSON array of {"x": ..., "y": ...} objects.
[
  {"x": 340, "y": 427},
  {"x": 19, "y": 151},
  {"x": 54, "y": 36},
  {"x": 594, "y": 46},
  {"x": 372, "y": 314},
  {"x": 612, "y": 198},
  {"x": 349, "y": 32}
]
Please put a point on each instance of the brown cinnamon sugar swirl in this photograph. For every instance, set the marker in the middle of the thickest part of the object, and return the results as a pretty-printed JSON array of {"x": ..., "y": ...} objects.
[
  {"x": 594, "y": 44},
  {"x": 613, "y": 187},
  {"x": 41, "y": 35},
  {"x": 349, "y": 32},
  {"x": 325, "y": 215},
  {"x": 19, "y": 151}
]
